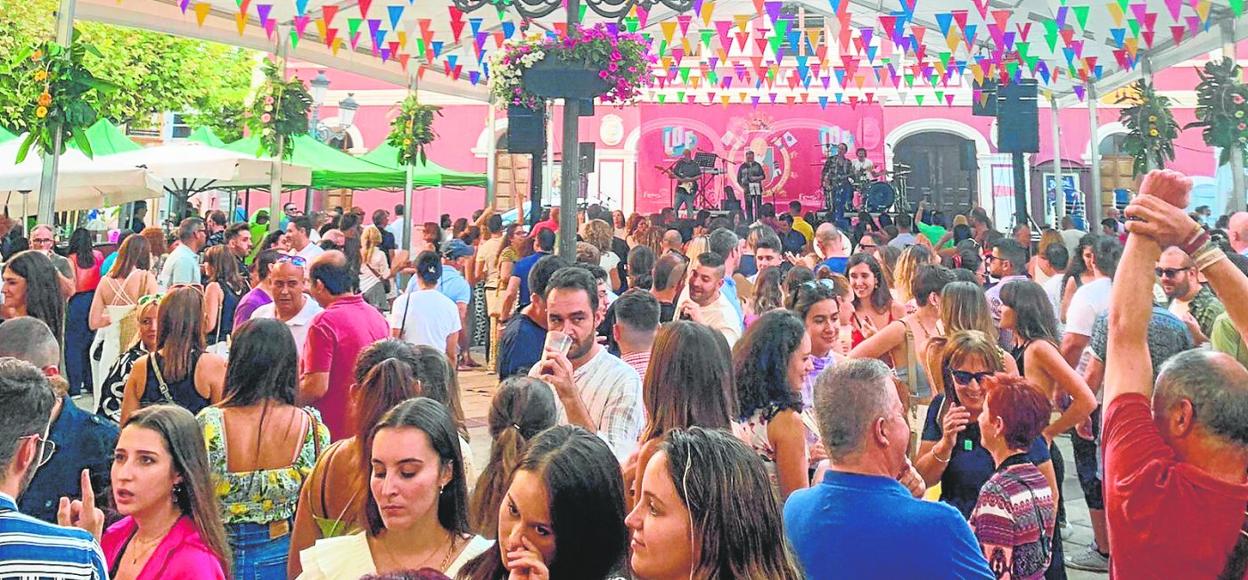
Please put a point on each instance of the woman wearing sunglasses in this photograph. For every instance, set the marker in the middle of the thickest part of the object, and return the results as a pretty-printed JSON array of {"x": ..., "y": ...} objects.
[
  {"x": 179, "y": 372},
  {"x": 143, "y": 341},
  {"x": 951, "y": 453}
]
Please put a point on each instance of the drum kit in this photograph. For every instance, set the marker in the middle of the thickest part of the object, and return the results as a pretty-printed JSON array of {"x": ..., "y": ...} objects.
[{"x": 875, "y": 191}]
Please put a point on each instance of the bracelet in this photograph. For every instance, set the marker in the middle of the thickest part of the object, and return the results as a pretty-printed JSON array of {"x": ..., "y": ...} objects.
[
  {"x": 1199, "y": 239},
  {"x": 1208, "y": 256},
  {"x": 937, "y": 457}
]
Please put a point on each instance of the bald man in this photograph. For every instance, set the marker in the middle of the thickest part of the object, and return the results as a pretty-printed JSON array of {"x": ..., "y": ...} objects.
[
  {"x": 1238, "y": 231},
  {"x": 335, "y": 339},
  {"x": 673, "y": 242}
]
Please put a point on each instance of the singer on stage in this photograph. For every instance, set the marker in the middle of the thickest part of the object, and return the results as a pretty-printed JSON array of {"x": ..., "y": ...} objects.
[{"x": 750, "y": 176}]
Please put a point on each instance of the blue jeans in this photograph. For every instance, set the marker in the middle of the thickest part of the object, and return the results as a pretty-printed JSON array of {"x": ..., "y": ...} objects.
[
  {"x": 78, "y": 338},
  {"x": 256, "y": 555},
  {"x": 684, "y": 198}
]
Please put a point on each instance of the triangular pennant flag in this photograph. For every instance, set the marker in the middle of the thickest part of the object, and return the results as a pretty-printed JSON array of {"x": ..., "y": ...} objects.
[
  {"x": 328, "y": 12},
  {"x": 294, "y": 39},
  {"x": 240, "y": 20},
  {"x": 301, "y": 23},
  {"x": 301, "y": 7},
  {"x": 263, "y": 11},
  {"x": 395, "y": 12},
  {"x": 201, "y": 12},
  {"x": 364, "y": 4},
  {"x": 1081, "y": 15}
]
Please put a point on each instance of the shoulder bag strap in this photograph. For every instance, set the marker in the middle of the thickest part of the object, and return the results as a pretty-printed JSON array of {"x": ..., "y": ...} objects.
[
  {"x": 160, "y": 380},
  {"x": 407, "y": 305}
]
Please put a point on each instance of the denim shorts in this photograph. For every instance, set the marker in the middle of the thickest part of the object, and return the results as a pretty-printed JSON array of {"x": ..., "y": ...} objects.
[{"x": 258, "y": 555}]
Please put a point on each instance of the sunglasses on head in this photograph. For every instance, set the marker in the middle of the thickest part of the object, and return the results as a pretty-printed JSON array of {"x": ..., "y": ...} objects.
[
  {"x": 1169, "y": 272},
  {"x": 150, "y": 298},
  {"x": 965, "y": 377},
  {"x": 294, "y": 259}
]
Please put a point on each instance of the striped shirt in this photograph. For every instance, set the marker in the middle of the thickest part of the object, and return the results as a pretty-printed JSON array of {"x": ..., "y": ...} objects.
[
  {"x": 611, "y": 393},
  {"x": 1014, "y": 520},
  {"x": 31, "y": 548}
]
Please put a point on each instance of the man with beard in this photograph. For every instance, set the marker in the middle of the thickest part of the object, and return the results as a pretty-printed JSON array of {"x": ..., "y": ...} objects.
[
  {"x": 1190, "y": 300},
  {"x": 595, "y": 389},
  {"x": 30, "y": 548},
  {"x": 706, "y": 304}
]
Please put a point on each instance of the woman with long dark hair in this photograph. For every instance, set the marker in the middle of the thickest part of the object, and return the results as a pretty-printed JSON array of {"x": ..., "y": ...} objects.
[
  {"x": 252, "y": 436},
  {"x": 688, "y": 384},
  {"x": 179, "y": 371},
  {"x": 331, "y": 502},
  {"x": 31, "y": 289},
  {"x": 874, "y": 307},
  {"x": 824, "y": 308},
  {"x": 1079, "y": 271},
  {"x": 705, "y": 502},
  {"x": 85, "y": 261},
  {"x": 225, "y": 288},
  {"x": 770, "y": 364},
  {"x": 114, "y": 303},
  {"x": 416, "y": 511},
  {"x": 522, "y": 408},
  {"x": 440, "y": 383},
  {"x": 161, "y": 484},
  {"x": 563, "y": 515}
]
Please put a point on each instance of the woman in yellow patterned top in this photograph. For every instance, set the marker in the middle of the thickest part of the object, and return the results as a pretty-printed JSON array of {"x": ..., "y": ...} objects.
[{"x": 261, "y": 447}]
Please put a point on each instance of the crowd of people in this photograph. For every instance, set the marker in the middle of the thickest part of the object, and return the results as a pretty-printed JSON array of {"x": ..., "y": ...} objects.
[{"x": 682, "y": 398}]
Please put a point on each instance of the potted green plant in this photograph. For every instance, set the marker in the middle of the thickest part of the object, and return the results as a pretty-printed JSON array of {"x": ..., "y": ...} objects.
[{"x": 1151, "y": 128}]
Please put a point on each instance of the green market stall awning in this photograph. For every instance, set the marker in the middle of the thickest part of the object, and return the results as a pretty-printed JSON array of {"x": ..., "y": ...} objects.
[
  {"x": 331, "y": 168},
  {"x": 107, "y": 139},
  {"x": 207, "y": 137},
  {"x": 5, "y": 135},
  {"x": 387, "y": 156}
]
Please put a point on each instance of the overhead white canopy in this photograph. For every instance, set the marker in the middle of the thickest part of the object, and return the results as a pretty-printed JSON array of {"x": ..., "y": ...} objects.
[
  {"x": 194, "y": 167},
  {"x": 83, "y": 183}
]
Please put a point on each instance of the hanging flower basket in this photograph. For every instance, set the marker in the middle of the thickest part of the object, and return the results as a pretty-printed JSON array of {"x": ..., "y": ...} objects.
[
  {"x": 553, "y": 78},
  {"x": 1151, "y": 128},
  {"x": 412, "y": 130},
  {"x": 57, "y": 86},
  {"x": 280, "y": 109},
  {"x": 596, "y": 62},
  {"x": 1222, "y": 107}
]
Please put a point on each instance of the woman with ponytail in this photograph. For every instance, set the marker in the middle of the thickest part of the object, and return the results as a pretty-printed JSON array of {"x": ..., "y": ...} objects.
[
  {"x": 522, "y": 408},
  {"x": 332, "y": 500}
]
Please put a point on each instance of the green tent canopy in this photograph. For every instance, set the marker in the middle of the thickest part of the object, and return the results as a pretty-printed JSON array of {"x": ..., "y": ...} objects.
[
  {"x": 331, "y": 168},
  {"x": 207, "y": 137},
  {"x": 5, "y": 135},
  {"x": 107, "y": 139},
  {"x": 388, "y": 156}
]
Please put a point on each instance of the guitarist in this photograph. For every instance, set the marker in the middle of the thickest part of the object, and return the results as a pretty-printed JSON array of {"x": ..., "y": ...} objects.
[
  {"x": 686, "y": 173},
  {"x": 750, "y": 175}
]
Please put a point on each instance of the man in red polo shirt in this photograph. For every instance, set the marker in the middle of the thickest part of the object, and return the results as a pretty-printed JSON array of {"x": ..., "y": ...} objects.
[
  {"x": 551, "y": 224},
  {"x": 335, "y": 339},
  {"x": 1176, "y": 458}
]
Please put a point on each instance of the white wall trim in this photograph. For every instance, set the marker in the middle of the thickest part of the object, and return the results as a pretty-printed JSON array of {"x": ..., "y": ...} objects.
[
  {"x": 984, "y": 155},
  {"x": 482, "y": 149},
  {"x": 1103, "y": 132},
  {"x": 357, "y": 138}
]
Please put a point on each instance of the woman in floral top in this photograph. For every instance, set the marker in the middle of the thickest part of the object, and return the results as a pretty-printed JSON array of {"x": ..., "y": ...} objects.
[{"x": 261, "y": 447}]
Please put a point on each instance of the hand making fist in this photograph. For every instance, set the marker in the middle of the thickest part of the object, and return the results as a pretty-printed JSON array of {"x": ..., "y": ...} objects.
[{"x": 1171, "y": 186}]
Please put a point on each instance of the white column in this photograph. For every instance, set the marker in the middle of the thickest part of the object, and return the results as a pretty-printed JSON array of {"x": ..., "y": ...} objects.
[
  {"x": 51, "y": 159},
  {"x": 1059, "y": 206},
  {"x": 275, "y": 185},
  {"x": 491, "y": 192},
  {"x": 1236, "y": 202},
  {"x": 407, "y": 178},
  {"x": 1094, "y": 199}
]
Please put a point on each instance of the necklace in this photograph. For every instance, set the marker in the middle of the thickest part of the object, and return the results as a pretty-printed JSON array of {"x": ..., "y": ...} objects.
[
  {"x": 135, "y": 554},
  {"x": 446, "y": 559},
  {"x": 930, "y": 331}
]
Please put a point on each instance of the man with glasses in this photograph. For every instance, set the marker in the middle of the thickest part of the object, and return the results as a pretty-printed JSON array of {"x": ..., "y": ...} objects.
[
  {"x": 182, "y": 266},
  {"x": 81, "y": 440},
  {"x": 1006, "y": 263},
  {"x": 31, "y": 548},
  {"x": 43, "y": 239},
  {"x": 1190, "y": 300},
  {"x": 290, "y": 305}
]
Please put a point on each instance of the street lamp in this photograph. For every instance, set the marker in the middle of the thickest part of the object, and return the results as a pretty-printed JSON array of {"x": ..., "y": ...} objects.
[
  {"x": 346, "y": 115},
  {"x": 320, "y": 85}
]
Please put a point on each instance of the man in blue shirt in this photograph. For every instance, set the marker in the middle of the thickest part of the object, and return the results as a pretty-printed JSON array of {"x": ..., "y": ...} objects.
[
  {"x": 82, "y": 440},
  {"x": 544, "y": 244},
  {"x": 524, "y": 337},
  {"x": 852, "y": 524},
  {"x": 30, "y": 548}
]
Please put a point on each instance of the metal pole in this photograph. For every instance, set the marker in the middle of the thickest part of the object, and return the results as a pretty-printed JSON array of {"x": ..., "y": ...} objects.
[
  {"x": 491, "y": 192},
  {"x": 1146, "y": 74},
  {"x": 570, "y": 180},
  {"x": 1237, "y": 153},
  {"x": 408, "y": 194},
  {"x": 1019, "y": 170},
  {"x": 1059, "y": 190},
  {"x": 547, "y": 182},
  {"x": 1094, "y": 197},
  {"x": 275, "y": 186},
  {"x": 51, "y": 159}
]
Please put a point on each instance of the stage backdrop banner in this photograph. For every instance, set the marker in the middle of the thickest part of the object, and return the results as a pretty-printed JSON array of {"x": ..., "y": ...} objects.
[{"x": 789, "y": 140}]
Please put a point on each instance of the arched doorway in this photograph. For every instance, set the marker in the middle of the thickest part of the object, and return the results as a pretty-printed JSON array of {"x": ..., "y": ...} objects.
[{"x": 943, "y": 170}]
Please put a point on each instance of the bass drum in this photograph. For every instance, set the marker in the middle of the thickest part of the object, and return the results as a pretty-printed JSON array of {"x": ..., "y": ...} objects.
[{"x": 880, "y": 197}]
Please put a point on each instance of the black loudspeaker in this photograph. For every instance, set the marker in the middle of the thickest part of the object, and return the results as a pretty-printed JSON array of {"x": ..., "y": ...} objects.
[
  {"x": 587, "y": 157},
  {"x": 967, "y": 158},
  {"x": 986, "y": 104},
  {"x": 1018, "y": 118},
  {"x": 730, "y": 205},
  {"x": 526, "y": 130}
]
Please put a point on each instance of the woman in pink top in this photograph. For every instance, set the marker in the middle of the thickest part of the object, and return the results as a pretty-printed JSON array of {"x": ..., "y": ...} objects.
[{"x": 160, "y": 478}]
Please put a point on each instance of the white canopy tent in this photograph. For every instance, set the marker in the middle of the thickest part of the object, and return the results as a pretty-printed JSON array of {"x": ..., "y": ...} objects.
[
  {"x": 194, "y": 167},
  {"x": 83, "y": 182}
]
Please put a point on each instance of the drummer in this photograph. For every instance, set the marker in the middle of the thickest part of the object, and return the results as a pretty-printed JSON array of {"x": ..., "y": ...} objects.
[{"x": 863, "y": 167}]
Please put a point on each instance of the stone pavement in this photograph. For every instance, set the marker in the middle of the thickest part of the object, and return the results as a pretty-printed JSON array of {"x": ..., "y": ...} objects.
[{"x": 477, "y": 388}]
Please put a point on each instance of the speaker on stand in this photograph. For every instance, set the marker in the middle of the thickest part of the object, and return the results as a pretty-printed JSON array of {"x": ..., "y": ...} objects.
[{"x": 1018, "y": 132}]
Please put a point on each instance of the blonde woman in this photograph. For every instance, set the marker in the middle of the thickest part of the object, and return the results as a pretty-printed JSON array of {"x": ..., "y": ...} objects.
[
  {"x": 599, "y": 233},
  {"x": 903, "y": 274},
  {"x": 374, "y": 269}
]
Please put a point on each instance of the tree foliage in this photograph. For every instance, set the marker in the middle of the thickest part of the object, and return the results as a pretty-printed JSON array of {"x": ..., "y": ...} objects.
[{"x": 154, "y": 72}]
